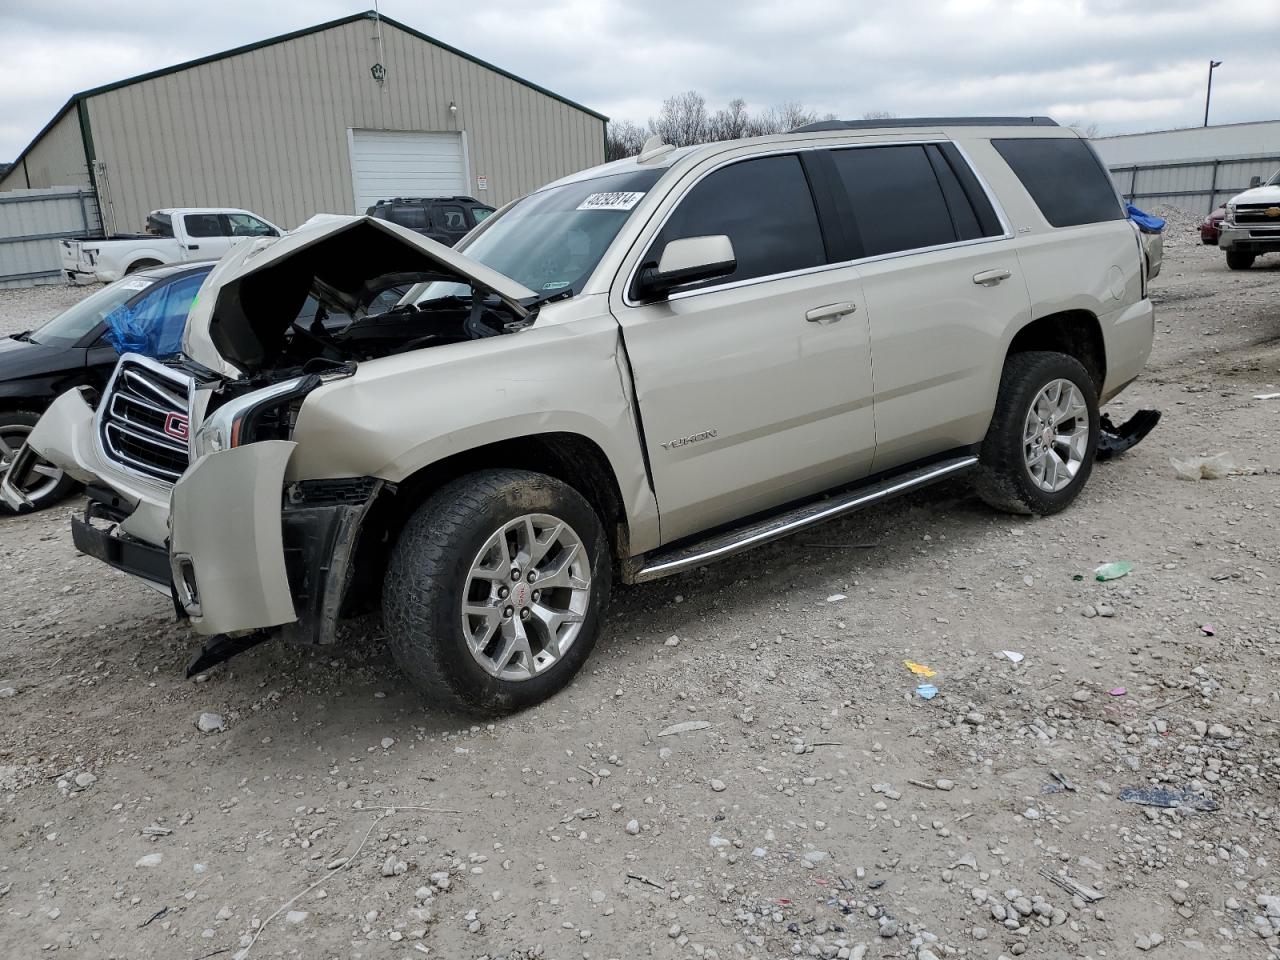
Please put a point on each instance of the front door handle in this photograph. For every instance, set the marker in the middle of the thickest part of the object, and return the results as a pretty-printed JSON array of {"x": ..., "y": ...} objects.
[
  {"x": 830, "y": 313},
  {"x": 193, "y": 246},
  {"x": 989, "y": 278}
]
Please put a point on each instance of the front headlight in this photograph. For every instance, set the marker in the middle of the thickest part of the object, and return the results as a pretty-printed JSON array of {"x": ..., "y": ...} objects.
[
  {"x": 236, "y": 422},
  {"x": 1230, "y": 214}
]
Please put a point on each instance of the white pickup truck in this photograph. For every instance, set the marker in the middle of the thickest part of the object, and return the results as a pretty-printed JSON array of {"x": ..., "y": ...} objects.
[{"x": 173, "y": 236}]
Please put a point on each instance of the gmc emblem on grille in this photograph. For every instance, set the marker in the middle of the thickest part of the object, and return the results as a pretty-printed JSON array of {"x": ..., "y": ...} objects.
[{"x": 177, "y": 426}]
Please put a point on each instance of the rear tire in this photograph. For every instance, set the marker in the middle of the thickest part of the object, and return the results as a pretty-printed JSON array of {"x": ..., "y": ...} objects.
[
  {"x": 457, "y": 631},
  {"x": 47, "y": 487},
  {"x": 1239, "y": 260},
  {"x": 1039, "y": 448},
  {"x": 141, "y": 265}
]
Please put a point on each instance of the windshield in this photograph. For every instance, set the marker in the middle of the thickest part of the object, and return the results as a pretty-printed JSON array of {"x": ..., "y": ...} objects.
[
  {"x": 551, "y": 240},
  {"x": 1275, "y": 180},
  {"x": 71, "y": 326}
]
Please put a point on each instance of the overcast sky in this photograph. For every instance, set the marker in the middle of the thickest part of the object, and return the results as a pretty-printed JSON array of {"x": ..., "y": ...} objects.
[{"x": 1126, "y": 65}]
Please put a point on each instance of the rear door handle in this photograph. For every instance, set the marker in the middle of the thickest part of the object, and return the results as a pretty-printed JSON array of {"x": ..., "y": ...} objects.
[
  {"x": 196, "y": 246},
  {"x": 989, "y": 278},
  {"x": 830, "y": 313}
]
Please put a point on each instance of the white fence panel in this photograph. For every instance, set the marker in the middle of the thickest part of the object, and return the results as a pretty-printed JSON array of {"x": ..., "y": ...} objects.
[{"x": 31, "y": 224}]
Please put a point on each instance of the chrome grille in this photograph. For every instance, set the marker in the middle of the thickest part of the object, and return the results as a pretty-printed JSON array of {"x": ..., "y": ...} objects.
[
  {"x": 144, "y": 418},
  {"x": 1250, "y": 214}
]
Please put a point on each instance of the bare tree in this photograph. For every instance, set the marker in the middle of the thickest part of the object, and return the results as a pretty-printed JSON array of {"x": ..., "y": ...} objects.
[
  {"x": 879, "y": 115},
  {"x": 1087, "y": 130},
  {"x": 623, "y": 139},
  {"x": 682, "y": 121},
  {"x": 730, "y": 123}
]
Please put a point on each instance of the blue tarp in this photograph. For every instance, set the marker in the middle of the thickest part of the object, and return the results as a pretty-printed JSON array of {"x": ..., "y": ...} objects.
[
  {"x": 1145, "y": 221},
  {"x": 153, "y": 326}
]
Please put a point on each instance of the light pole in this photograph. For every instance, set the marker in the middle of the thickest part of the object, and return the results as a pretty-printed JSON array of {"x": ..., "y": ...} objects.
[{"x": 1209, "y": 89}]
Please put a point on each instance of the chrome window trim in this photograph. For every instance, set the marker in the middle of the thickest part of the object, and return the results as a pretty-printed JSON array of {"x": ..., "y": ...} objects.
[{"x": 822, "y": 268}]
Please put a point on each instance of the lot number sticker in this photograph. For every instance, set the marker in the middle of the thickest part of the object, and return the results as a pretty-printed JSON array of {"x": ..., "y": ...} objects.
[{"x": 610, "y": 201}]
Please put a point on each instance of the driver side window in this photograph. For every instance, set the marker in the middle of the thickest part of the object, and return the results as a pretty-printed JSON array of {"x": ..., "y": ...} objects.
[{"x": 763, "y": 206}]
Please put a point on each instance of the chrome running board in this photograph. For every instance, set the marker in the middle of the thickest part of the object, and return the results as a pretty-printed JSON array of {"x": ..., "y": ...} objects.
[{"x": 663, "y": 563}]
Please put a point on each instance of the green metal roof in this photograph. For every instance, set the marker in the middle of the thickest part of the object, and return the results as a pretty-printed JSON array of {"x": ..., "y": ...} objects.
[{"x": 78, "y": 98}]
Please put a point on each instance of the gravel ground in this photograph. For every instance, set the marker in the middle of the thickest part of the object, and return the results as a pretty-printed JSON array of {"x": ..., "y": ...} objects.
[{"x": 742, "y": 770}]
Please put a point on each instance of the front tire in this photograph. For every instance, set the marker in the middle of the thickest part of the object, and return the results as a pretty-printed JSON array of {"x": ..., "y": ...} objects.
[
  {"x": 1240, "y": 260},
  {"x": 496, "y": 589},
  {"x": 47, "y": 484},
  {"x": 1039, "y": 448}
]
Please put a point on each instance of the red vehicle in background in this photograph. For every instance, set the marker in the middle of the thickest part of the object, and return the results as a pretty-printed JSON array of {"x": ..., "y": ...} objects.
[{"x": 1211, "y": 225}]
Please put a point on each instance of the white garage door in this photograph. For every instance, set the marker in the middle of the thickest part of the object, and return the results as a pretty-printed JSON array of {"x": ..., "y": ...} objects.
[{"x": 387, "y": 164}]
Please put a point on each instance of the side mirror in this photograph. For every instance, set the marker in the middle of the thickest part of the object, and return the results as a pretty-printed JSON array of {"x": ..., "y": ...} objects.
[
  {"x": 1255, "y": 182},
  {"x": 685, "y": 261}
]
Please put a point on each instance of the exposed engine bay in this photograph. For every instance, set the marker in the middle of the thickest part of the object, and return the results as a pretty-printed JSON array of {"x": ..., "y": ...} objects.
[{"x": 335, "y": 300}]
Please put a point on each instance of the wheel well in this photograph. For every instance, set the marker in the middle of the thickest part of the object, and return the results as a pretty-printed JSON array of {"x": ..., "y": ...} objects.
[
  {"x": 143, "y": 264},
  {"x": 568, "y": 457},
  {"x": 1076, "y": 333}
]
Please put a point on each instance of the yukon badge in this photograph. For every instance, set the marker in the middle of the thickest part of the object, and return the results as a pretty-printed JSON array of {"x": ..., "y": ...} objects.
[{"x": 692, "y": 438}]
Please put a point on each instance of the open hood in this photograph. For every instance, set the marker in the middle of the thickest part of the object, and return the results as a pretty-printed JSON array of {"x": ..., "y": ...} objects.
[{"x": 250, "y": 299}]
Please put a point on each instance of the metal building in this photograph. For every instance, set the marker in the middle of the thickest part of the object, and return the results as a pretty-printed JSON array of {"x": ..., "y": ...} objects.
[
  {"x": 323, "y": 120},
  {"x": 1195, "y": 168}
]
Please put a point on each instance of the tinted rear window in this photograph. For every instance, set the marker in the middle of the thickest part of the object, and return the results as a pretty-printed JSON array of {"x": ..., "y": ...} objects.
[
  {"x": 1064, "y": 177},
  {"x": 896, "y": 198},
  {"x": 411, "y": 215}
]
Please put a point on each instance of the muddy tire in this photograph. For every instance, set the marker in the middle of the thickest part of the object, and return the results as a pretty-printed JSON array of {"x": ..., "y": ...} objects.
[
  {"x": 1039, "y": 449},
  {"x": 496, "y": 589},
  {"x": 1240, "y": 260}
]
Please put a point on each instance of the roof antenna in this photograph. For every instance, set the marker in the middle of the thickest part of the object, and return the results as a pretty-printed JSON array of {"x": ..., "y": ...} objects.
[
  {"x": 653, "y": 149},
  {"x": 378, "y": 71}
]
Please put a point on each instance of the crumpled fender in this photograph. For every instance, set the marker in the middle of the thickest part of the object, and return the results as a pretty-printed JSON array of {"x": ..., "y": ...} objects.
[
  {"x": 64, "y": 436},
  {"x": 226, "y": 531}
]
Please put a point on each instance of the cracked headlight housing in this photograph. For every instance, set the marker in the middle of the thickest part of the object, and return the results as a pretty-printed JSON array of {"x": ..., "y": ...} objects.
[{"x": 259, "y": 415}]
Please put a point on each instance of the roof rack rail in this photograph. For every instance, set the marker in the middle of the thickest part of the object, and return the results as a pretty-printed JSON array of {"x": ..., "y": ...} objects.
[
  {"x": 822, "y": 125},
  {"x": 459, "y": 198}
]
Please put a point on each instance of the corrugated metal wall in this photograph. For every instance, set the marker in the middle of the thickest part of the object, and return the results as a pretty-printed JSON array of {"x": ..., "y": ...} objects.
[
  {"x": 56, "y": 161},
  {"x": 1190, "y": 143},
  {"x": 1196, "y": 186},
  {"x": 267, "y": 129},
  {"x": 31, "y": 222}
]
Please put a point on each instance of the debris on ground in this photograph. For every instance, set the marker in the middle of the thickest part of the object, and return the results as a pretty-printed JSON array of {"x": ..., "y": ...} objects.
[
  {"x": 1169, "y": 797},
  {"x": 1112, "y": 571},
  {"x": 1214, "y": 467},
  {"x": 1113, "y": 440}
]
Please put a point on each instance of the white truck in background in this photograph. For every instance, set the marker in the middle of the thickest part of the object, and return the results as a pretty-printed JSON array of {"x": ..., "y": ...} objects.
[{"x": 173, "y": 235}]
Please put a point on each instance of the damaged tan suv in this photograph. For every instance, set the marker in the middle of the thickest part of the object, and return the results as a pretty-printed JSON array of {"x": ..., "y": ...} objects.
[{"x": 630, "y": 373}]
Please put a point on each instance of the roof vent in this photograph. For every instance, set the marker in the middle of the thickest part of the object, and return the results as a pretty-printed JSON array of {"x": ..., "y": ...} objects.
[{"x": 653, "y": 149}]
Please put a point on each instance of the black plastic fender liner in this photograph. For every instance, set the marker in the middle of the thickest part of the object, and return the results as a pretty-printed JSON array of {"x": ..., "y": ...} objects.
[
  {"x": 322, "y": 522},
  {"x": 1116, "y": 440}
]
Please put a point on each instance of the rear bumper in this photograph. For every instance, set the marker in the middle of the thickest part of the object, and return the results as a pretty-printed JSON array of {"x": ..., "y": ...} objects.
[{"x": 1257, "y": 239}]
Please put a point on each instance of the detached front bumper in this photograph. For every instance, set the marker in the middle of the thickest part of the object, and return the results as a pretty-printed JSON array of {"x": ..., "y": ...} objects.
[
  {"x": 245, "y": 554},
  {"x": 225, "y": 542},
  {"x": 1249, "y": 239}
]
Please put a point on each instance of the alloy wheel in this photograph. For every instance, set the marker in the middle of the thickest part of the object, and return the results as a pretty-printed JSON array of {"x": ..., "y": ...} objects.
[
  {"x": 526, "y": 597},
  {"x": 1055, "y": 435}
]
